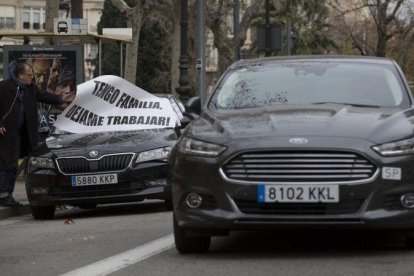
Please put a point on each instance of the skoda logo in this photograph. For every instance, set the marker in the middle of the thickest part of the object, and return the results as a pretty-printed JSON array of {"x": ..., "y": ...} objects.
[
  {"x": 93, "y": 153},
  {"x": 298, "y": 141}
]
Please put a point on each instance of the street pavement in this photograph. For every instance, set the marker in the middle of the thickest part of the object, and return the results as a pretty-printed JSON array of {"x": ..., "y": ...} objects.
[{"x": 20, "y": 195}]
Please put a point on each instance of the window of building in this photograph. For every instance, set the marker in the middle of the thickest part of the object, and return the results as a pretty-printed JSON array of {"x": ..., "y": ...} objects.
[
  {"x": 26, "y": 20},
  {"x": 33, "y": 18},
  {"x": 36, "y": 19},
  {"x": 7, "y": 17},
  {"x": 10, "y": 23}
]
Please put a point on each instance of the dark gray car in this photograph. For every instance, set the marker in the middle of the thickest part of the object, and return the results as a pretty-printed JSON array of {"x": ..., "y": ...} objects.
[{"x": 297, "y": 142}]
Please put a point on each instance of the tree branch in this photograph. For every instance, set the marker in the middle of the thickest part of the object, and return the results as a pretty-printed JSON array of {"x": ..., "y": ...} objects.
[
  {"x": 164, "y": 6},
  {"x": 394, "y": 12}
]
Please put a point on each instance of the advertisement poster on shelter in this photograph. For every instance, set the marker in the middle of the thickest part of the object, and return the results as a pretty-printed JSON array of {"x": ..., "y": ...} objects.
[{"x": 57, "y": 69}]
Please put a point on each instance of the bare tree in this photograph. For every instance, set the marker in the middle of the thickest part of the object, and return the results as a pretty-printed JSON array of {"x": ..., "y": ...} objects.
[
  {"x": 217, "y": 14},
  {"x": 388, "y": 19},
  {"x": 134, "y": 15}
]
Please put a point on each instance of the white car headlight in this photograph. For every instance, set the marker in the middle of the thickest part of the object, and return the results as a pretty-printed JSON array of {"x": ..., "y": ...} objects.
[
  {"x": 41, "y": 162},
  {"x": 403, "y": 147},
  {"x": 197, "y": 147},
  {"x": 156, "y": 154}
]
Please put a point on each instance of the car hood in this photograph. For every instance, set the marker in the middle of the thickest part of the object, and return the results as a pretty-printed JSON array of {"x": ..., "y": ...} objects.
[
  {"x": 108, "y": 142},
  {"x": 378, "y": 125}
]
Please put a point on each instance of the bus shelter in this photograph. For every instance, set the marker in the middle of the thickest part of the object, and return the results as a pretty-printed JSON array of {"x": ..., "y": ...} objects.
[{"x": 27, "y": 38}]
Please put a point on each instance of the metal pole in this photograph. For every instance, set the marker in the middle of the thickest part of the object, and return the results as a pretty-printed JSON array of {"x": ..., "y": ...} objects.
[
  {"x": 201, "y": 52},
  {"x": 121, "y": 61},
  {"x": 289, "y": 32},
  {"x": 184, "y": 89},
  {"x": 288, "y": 38},
  {"x": 236, "y": 28},
  {"x": 100, "y": 57},
  {"x": 267, "y": 51}
]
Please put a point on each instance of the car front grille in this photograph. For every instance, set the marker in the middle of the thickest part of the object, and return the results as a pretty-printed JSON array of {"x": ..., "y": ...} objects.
[
  {"x": 349, "y": 206},
  {"x": 298, "y": 167},
  {"x": 82, "y": 165}
]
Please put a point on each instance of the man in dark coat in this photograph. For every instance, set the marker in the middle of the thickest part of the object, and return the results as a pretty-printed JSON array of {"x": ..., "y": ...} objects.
[{"x": 19, "y": 124}]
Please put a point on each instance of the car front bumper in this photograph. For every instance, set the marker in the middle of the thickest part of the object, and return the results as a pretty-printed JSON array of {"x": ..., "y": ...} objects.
[
  {"x": 49, "y": 187},
  {"x": 229, "y": 205}
]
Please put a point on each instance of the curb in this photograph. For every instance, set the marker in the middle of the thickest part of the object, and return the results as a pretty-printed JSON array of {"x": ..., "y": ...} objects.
[{"x": 7, "y": 212}]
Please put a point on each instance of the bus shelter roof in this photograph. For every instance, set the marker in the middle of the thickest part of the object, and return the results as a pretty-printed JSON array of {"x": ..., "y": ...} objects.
[
  {"x": 51, "y": 38},
  {"x": 63, "y": 39}
]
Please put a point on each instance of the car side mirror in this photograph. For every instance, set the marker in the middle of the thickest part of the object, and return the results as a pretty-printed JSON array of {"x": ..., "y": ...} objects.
[
  {"x": 183, "y": 123},
  {"x": 193, "y": 105}
]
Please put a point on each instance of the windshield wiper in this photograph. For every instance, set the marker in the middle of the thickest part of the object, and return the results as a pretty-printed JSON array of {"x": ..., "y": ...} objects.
[{"x": 352, "y": 104}]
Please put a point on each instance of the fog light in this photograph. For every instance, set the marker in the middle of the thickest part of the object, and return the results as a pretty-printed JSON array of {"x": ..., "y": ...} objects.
[
  {"x": 39, "y": 190},
  {"x": 407, "y": 200},
  {"x": 193, "y": 200}
]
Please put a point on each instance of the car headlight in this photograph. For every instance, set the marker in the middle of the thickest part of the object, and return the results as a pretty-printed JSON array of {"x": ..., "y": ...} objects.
[
  {"x": 197, "y": 147},
  {"x": 156, "y": 154},
  {"x": 41, "y": 162},
  {"x": 403, "y": 147}
]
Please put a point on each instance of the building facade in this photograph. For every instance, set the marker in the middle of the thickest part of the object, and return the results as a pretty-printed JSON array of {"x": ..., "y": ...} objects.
[{"x": 30, "y": 16}]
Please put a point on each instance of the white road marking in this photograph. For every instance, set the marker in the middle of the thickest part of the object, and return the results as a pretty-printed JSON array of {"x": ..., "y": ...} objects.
[
  {"x": 9, "y": 221},
  {"x": 125, "y": 259}
]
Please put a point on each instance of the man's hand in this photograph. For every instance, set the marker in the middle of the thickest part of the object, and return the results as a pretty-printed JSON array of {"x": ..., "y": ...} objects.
[
  {"x": 2, "y": 130},
  {"x": 67, "y": 99}
]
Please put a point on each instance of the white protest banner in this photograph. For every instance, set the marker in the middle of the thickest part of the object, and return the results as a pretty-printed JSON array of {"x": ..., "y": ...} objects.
[{"x": 110, "y": 103}]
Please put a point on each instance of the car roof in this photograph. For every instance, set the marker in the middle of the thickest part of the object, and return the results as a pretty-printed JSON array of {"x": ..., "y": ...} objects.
[{"x": 342, "y": 58}]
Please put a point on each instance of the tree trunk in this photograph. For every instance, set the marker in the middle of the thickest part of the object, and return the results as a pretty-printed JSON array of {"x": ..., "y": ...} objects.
[
  {"x": 134, "y": 16},
  {"x": 134, "y": 21},
  {"x": 52, "y": 12},
  {"x": 382, "y": 27},
  {"x": 76, "y": 8},
  {"x": 381, "y": 45},
  {"x": 225, "y": 45}
]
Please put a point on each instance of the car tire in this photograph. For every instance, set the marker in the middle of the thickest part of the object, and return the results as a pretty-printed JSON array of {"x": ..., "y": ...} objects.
[
  {"x": 185, "y": 244},
  {"x": 168, "y": 204},
  {"x": 43, "y": 212}
]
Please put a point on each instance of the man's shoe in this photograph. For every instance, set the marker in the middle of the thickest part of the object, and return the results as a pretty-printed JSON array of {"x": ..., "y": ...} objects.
[{"x": 9, "y": 201}]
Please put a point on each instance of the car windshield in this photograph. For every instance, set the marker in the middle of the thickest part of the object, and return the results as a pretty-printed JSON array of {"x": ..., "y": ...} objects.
[{"x": 310, "y": 82}]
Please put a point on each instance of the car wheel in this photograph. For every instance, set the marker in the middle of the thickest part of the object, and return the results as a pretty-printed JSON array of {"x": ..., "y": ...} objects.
[
  {"x": 43, "y": 212},
  {"x": 168, "y": 204},
  {"x": 186, "y": 244},
  {"x": 88, "y": 206}
]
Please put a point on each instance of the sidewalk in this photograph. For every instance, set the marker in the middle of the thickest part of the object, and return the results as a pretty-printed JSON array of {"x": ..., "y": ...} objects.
[{"x": 20, "y": 195}]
